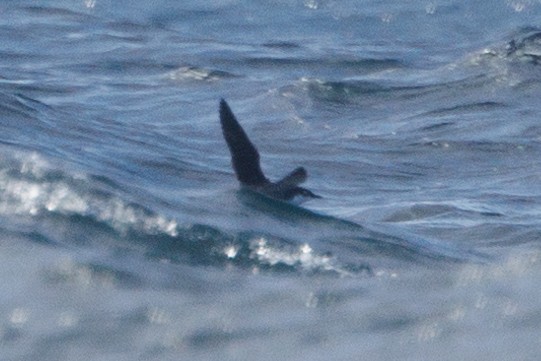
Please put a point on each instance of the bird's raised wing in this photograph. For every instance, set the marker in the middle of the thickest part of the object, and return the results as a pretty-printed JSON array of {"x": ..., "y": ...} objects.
[
  {"x": 294, "y": 178},
  {"x": 244, "y": 155}
]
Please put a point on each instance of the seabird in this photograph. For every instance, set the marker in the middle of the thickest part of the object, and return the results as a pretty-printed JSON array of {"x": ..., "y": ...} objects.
[{"x": 245, "y": 160}]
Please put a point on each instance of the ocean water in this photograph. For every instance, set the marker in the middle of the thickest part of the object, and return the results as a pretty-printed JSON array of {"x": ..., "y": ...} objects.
[{"x": 123, "y": 232}]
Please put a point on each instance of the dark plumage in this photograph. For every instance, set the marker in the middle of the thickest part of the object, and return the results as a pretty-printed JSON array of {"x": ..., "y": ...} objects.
[{"x": 245, "y": 159}]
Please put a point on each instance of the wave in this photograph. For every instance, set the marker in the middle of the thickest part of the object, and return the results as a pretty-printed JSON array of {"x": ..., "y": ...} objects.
[
  {"x": 68, "y": 209},
  {"x": 526, "y": 46},
  {"x": 512, "y": 63},
  {"x": 59, "y": 207},
  {"x": 32, "y": 187}
]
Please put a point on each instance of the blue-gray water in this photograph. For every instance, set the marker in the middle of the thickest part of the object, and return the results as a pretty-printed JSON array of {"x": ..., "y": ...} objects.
[{"x": 123, "y": 235}]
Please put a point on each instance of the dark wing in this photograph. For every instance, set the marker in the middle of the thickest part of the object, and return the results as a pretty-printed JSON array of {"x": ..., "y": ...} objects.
[
  {"x": 244, "y": 155},
  {"x": 294, "y": 178}
]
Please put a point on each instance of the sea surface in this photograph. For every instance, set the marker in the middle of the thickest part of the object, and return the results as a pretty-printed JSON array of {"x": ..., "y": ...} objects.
[{"x": 124, "y": 234}]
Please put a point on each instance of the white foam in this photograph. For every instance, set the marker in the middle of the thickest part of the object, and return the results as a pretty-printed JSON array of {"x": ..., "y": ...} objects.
[
  {"x": 29, "y": 192},
  {"x": 303, "y": 256},
  {"x": 191, "y": 73}
]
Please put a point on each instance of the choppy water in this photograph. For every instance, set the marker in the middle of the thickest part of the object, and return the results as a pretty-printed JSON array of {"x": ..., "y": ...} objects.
[{"x": 123, "y": 234}]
